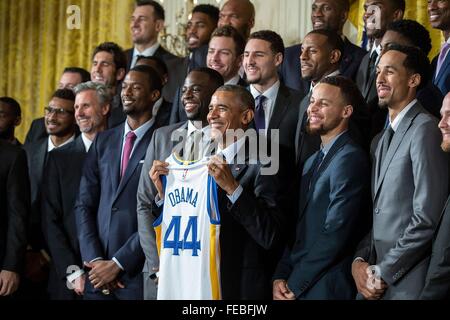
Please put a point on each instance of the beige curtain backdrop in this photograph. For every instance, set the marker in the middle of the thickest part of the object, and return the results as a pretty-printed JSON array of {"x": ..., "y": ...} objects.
[{"x": 36, "y": 45}]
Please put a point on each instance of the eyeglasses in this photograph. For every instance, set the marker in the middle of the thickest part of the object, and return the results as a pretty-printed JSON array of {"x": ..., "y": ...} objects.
[{"x": 57, "y": 111}]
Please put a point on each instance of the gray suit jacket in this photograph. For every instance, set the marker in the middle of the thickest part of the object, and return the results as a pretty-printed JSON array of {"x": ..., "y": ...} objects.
[{"x": 408, "y": 196}]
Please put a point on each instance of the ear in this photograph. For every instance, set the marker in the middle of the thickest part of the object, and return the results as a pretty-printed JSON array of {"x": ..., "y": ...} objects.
[
  {"x": 17, "y": 121},
  {"x": 278, "y": 59},
  {"x": 105, "y": 109},
  {"x": 120, "y": 74},
  {"x": 414, "y": 80},
  {"x": 155, "y": 95},
  {"x": 348, "y": 111},
  {"x": 251, "y": 23},
  {"x": 159, "y": 25},
  {"x": 398, "y": 15},
  {"x": 335, "y": 56},
  {"x": 247, "y": 117}
]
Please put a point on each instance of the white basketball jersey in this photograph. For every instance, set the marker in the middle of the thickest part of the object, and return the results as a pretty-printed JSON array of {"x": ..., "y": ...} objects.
[{"x": 187, "y": 234}]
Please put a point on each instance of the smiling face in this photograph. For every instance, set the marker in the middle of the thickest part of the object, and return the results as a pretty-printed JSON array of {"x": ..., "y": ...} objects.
[
  {"x": 137, "y": 95},
  {"x": 104, "y": 69},
  {"x": 222, "y": 57},
  {"x": 327, "y": 14},
  {"x": 89, "y": 114},
  {"x": 327, "y": 111},
  {"x": 144, "y": 25},
  {"x": 316, "y": 57},
  {"x": 444, "y": 124},
  {"x": 199, "y": 29},
  {"x": 196, "y": 95},
  {"x": 439, "y": 14},
  {"x": 395, "y": 84},
  {"x": 60, "y": 124}
]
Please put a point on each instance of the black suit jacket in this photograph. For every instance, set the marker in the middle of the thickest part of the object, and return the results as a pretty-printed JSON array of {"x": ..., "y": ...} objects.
[
  {"x": 290, "y": 71},
  {"x": 37, "y": 130},
  {"x": 60, "y": 189},
  {"x": 331, "y": 211},
  {"x": 14, "y": 206},
  {"x": 178, "y": 114}
]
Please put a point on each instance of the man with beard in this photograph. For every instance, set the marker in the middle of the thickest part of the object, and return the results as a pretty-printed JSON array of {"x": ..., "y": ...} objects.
[
  {"x": 439, "y": 13},
  {"x": 10, "y": 118},
  {"x": 198, "y": 88},
  {"x": 108, "y": 68},
  {"x": 60, "y": 188},
  {"x": 409, "y": 183},
  {"x": 334, "y": 191},
  {"x": 437, "y": 283},
  {"x": 105, "y": 209},
  {"x": 60, "y": 125}
]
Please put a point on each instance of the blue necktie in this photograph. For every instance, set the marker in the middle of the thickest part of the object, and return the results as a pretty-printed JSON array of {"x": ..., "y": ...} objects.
[
  {"x": 315, "y": 167},
  {"x": 260, "y": 117}
]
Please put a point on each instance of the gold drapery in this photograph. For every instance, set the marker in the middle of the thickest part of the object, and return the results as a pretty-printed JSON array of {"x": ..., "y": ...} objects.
[{"x": 36, "y": 45}]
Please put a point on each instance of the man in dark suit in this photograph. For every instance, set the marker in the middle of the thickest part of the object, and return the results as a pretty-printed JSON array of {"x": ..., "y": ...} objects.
[
  {"x": 276, "y": 105},
  {"x": 325, "y": 14},
  {"x": 60, "y": 188},
  {"x": 105, "y": 209},
  {"x": 10, "y": 118},
  {"x": 439, "y": 13},
  {"x": 377, "y": 15},
  {"x": 252, "y": 222},
  {"x": 198, "y": 88},
  {"x": 60, "y": 125},
  {"x": 409, "y": 183},
  {"x": 437, "y": 282},
  {"x": 69, "y": 79},
  {"x": 335, "y": 189},
  {"x": 225, "y": 51},
  {"x": 14, "y": 209}
]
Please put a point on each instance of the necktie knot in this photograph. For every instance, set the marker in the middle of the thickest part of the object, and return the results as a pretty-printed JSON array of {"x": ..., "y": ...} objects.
[{"x": 260, "y": 117}]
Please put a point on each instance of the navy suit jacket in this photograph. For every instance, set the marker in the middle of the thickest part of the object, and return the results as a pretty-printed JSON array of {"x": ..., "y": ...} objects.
[
  {"x": 330, "y": 224},
  {"x": 442, "y": 81},
  {"x": 290, "y": 72},
  {"x": 106, "y": 206}
]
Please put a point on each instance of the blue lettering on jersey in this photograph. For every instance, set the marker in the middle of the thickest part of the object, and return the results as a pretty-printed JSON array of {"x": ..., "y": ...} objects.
[{"x": 178, "y": 196}]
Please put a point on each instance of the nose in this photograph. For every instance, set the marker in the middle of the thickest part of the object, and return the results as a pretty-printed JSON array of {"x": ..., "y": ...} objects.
[
  {"x": 126, "y": 91},
  {"x": 224, "y": 21},
  {"x": 303, "y": 55},
  {"x": 317, "y": 12},
  {"x": 432, "y": 5},
  {"x": 443, "y": 123}
]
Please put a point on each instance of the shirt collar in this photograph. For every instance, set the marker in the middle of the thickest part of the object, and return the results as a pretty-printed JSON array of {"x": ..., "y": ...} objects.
[
  {"x": 230, "y": 152},
  {"x": 234, "y": 80},
  {"x": 270, "y": 94},
  {"x": 156, "y": 106},
  {"x": 326, "y": 148},
  {"x": 394, "y": 124},
  {"x": 332, "y": 74},
  {"x": 86, "y": 141},
  {"x": 139, "y": 132},
  {"x": 51, "y": 146},
  {"x": 150, "y": 51}
]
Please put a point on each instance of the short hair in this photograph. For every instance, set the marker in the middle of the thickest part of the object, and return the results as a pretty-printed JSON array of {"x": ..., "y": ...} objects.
[
  {"x": 334, "y": 40},
  {"x": 119, "y": 57},
  {"x": 276, "y": 42},
  {"x": 13, "y": 104},
  {"x": 398, "y": 4},
  {"x": 417, "y": 34},
  {"x": 157, "y": 8},
  {"x": 66, "y": 94},
  {"x": 241, "y": 92},
  {"x": 416, "y": 61},
  {"x": 230, "y": 32},
  {"x": 349, "y": 90},
  {"x": 84, "y": 74},
  {"x": 160, "y": 64},
  {"x": 103, "y": 95},
  {"x": 208, "y": 9},
  {"x": 154, "y": 79},
  {"x": 213, "y": 75}
]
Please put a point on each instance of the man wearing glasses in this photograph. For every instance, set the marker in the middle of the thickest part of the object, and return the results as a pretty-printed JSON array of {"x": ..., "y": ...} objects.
[{"x": 60, "y": 126}]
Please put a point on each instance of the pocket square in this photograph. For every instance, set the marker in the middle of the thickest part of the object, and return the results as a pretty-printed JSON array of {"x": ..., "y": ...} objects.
[{"x": 142, "y": 161}]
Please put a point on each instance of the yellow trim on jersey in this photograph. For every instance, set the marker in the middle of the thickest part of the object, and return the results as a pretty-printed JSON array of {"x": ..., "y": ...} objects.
[
  {"x": 158, "y": 238},
  {"x": 214, "y": 258},
  {"x": 180, "y": 160}
]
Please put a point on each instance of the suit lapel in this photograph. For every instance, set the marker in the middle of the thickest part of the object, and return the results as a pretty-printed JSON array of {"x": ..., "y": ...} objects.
[
  {"x": 443, "y": 71},
  {"x": 405, "y": 124},
  {"x": 280, "y": 107},
  {"x": 299, "y": 131},
  {"x": 137, "y": 155},
  {"x": 115, "y": 154}
]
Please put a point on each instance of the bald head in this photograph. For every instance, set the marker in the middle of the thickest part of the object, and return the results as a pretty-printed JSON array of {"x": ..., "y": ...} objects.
[{"x": 239, "y": 14}]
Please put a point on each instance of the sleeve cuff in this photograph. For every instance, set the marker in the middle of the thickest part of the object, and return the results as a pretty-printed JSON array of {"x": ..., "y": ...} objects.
[
  {"x": 236, "y": 194},
  {"x": 159, "y": 202},
  {"x": 118, "y": 263},
  {"x": 75, "y": 275}
]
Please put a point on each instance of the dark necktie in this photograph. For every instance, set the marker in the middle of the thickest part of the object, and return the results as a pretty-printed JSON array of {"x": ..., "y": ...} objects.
[
  {"x": 315, "y": 167},
  {"x": 128, "y": 147},
  {"x": 260, "y": 117},
  {"x": 193, "y": 146},
  {"x": 441, "y": 57},
  {"x": 371, "y": 68},
  {"x": 386, "y": 141}
]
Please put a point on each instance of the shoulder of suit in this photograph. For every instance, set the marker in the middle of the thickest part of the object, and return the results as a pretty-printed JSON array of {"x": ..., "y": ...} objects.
[{"x": 170, "y": 128}]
